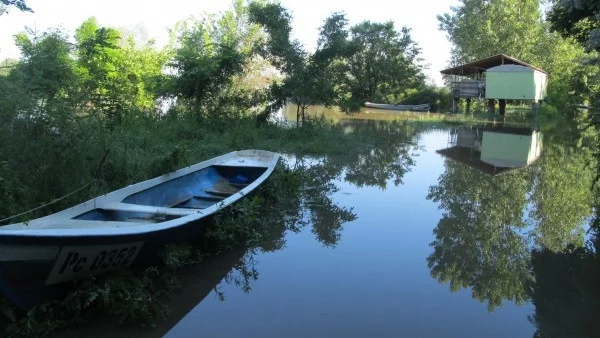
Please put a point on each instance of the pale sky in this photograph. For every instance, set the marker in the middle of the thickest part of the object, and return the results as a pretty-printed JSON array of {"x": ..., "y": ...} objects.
[{"x": 308, "y": 15}]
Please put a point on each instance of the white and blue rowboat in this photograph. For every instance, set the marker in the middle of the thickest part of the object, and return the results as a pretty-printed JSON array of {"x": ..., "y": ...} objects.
[{"x": 123, "y": 227}]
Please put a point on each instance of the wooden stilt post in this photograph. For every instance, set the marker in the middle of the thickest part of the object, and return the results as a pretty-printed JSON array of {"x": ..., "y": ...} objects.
[
  {"x": 491, "y": 106},
  {"x": 502, "y": 106},
  {"x": 535, "y": 106},
  {"x": 468, "y": 105}
]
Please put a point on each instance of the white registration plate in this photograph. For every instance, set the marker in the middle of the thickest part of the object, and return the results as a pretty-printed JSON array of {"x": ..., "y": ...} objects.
[{"x": 79, "y": 261}]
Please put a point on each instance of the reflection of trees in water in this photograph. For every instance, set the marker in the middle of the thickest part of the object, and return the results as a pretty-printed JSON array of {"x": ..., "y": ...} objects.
[
  {"x": 388, "y": 154},
  {"x": 323, "y": 214},
  {"x": 489, "y": 224},
  {"x": 477, "y": 243},
  {"x": 561, "y": 197},
  {"x": 242, "y": 274},
  {"x": 305, "y": 192}
]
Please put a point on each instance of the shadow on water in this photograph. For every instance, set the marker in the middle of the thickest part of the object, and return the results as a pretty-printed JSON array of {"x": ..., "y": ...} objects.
[
  {"x": 566, "y": 293},
  {"x": 518, "y": 233}
]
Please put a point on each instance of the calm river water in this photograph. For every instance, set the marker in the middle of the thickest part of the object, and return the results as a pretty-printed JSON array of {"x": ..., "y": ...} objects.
[{"x": 400, "y": 240}]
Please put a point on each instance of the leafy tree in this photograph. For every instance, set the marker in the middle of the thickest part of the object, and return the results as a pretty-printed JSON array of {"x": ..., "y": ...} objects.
[
  {"x": 370, "y": 61},
  {"x": 578, "y": 19},
  {"x": 47, "y": 78},
  {"x": 306, "y": 80},
  {"x": 213, "y": 61},
  {"x": 118, "y": 76},
  {"x": 42, "y": 136},
  {"x": 98, "y": 54},
  {"x": 478, "y": 29},
  {"x": 385, "y": 64},
  {"x": 581, "y": 20},
  {"x": 142, "y": 66},
  {"x": 19, "y": 4}
]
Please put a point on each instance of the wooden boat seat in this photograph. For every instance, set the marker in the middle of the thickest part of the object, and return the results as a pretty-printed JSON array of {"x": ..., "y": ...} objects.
[
  {"x": 148, "y": 209},
  {"x": 222, "y": 188},
  {"x": 199, "y": 202},
  {"x": 238, "y": 185},
  {"x": 210, "y": 198},
  {"x": 180, "y": 201}
]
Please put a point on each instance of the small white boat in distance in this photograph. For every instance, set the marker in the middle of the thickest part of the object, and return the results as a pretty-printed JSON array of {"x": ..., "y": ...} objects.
[{"x": 401, "y": 107}]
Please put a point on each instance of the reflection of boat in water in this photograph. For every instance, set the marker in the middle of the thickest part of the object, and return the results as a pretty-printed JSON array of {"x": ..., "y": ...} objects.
[
  {"x": 123, "y": 227},
  {"x": 197, "y": 282},
  {"x": 401, "y": 107},
  {"x": 494, "y": 149}
]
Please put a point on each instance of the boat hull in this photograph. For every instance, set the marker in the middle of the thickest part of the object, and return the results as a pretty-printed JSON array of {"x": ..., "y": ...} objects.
[
  {"x": 39, "y": 275},
  {"x": 400, "y": 107}
]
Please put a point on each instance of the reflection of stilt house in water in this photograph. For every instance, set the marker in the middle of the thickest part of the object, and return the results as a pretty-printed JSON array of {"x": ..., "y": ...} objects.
[
  {"x": 494, "y": 149},
  {"x": 498, "y": 77}
]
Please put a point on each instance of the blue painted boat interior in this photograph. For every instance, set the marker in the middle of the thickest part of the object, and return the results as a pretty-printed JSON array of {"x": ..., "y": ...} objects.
[{"x": 197, "y": 190}]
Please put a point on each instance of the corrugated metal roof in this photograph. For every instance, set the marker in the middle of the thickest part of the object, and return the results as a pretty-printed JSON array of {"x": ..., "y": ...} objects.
[{"x": 480, "y": 66}]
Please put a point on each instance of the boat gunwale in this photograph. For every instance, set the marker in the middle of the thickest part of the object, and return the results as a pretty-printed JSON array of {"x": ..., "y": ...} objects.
[{"x": 128, "y": 228}]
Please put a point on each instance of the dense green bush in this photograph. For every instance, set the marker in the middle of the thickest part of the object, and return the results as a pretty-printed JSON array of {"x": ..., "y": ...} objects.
[{"x": 439, "y": 98}]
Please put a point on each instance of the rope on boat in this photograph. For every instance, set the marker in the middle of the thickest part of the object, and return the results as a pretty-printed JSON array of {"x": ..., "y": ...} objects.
[{"x": 49, "y": 203}]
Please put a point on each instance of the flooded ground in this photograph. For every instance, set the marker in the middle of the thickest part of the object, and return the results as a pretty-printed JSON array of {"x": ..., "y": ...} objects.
[
  {"x": 429, "y": 230},
  {"x": 402, "y": 240}
]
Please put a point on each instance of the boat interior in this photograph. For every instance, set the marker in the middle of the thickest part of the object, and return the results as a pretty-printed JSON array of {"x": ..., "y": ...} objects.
[
  {"x": 179, "y": 197},
  {"x": 182, "y": 196}
]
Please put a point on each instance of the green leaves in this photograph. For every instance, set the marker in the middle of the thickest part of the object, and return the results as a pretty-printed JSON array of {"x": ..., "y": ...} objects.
[
  {"x": 577, "y": 19},
  {"x": 276, "y": 21},
  {"x": 119, "y": 78},
  {"x": 203, "y": 66},
  {"x": 19, "y": 4},
  {"x": 386, "y": 62},
  {"x": 479, "y": 29},
  {"x": 213, "y": 67}
]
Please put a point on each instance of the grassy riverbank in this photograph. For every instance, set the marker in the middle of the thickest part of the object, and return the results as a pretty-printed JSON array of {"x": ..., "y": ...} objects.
[{"x": 516, "y": 114}]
